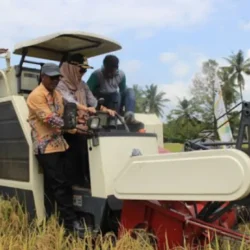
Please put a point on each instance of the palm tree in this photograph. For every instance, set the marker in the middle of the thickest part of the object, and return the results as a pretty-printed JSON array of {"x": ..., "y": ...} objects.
[
  {"x": 185, "y": 112},
  {"x": 229, "y": 92},
  {"x": 154, "y": 101},
  {"x": 186, "y": 121},
  {"x": 238, "y": 66}
]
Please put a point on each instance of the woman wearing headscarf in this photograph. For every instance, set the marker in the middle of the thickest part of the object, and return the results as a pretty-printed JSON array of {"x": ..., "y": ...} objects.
[{"x": 73, "y": 89}]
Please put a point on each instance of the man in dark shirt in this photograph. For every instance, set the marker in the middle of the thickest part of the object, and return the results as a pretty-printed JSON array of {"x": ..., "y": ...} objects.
[{"x": 109, "y": 82}]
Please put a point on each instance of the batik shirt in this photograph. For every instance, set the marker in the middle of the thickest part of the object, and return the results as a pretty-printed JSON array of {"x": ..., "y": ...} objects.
[{"x": 45, "y": 119}]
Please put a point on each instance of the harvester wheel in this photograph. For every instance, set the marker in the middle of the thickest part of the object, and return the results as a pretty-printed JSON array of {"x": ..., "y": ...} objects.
[{"x": 110, "y": 221}]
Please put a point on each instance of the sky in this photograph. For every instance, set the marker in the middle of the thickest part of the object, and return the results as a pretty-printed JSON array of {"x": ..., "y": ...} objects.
[{"x": 164, "y": 42}]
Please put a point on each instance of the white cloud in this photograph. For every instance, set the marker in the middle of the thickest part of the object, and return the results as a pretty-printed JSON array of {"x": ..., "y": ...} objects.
[
  {"x": 173, "y": 90},
  {"x": 131, "y": 66},
  {"x": 222, "y": 62},
  {"x": 248, "y": 53},
  {"x": 167, "y": 57},
  {"x": 176, "y": 89},
  {"x": 200, "y": 59},
  {"x": 180, "y": 69},
  {"x": 27, "y": 18},
  {"x": 182, "y": 88},
  {"x": 245, "y": 25}
]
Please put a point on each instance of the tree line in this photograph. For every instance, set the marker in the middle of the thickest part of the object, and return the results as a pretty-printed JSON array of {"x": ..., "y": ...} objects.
[{"x": 194, "y": 114}]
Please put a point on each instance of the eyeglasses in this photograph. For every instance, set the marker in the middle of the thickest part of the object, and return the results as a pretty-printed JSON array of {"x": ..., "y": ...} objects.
[
  {"x": 55, "y": 78},
  {"x": 82, "y": 70}
]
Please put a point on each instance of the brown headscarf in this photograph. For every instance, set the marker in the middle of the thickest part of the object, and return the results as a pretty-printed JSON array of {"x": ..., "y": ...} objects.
[{"x": 72, "y": 79}]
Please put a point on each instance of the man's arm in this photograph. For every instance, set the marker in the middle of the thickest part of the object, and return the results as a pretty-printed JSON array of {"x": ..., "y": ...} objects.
[
  {"x": 38, "y": 104},
  {"x": 92, "y": 101},
  {"x": 93, "y": 82}
]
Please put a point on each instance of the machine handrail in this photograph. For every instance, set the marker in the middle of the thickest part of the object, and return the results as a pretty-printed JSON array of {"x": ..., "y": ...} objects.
[{"x": 5, "y": 81}]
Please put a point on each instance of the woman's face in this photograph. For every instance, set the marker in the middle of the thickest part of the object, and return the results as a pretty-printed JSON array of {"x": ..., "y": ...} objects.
[{"x": 82, "y": 71}]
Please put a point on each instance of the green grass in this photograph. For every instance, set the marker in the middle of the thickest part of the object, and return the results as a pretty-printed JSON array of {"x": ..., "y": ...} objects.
[{"x": 174, "y": 147}]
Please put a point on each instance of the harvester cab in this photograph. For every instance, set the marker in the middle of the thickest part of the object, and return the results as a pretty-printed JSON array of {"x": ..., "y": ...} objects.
[{"x": 178, "y": 195}]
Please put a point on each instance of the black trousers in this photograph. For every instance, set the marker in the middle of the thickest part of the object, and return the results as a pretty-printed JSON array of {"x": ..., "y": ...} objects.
[
  {"x": 78, "y": 156},
  {"x": 57, "y": 187}
]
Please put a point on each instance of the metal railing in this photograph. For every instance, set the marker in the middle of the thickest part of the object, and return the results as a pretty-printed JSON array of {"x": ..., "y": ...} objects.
[{"x": 5, "y": 82}]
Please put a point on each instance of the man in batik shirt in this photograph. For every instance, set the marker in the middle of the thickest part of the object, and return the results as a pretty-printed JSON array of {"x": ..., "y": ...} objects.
[{"x": 45, "y": 117}]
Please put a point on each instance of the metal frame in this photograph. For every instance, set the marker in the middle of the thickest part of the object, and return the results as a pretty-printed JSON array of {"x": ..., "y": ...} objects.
[
  {"x": 64, "y": 55},
  {"x": 245, "y": 121}
]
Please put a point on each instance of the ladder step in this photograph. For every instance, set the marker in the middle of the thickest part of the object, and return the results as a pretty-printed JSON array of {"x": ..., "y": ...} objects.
[{"x": 79, "y": 188}]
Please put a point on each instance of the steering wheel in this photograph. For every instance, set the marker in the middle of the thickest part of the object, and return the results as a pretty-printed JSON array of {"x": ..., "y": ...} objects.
[
  {"x": 116, "y": 115},
  {"x": 100, "y": 102}
]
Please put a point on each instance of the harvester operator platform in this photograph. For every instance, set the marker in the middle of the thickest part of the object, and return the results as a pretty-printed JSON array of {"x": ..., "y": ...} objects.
[{"x": 58, "y": 150}]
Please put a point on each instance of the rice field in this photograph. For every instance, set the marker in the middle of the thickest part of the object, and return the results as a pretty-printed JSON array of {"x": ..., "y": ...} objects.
[{"x": 16, "y": 233}]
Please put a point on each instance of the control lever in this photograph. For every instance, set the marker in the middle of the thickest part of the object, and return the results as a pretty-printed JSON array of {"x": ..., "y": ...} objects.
[
  {"x": 122, "y": 122},
  {"x": 111, "y": 120},
  {"x": 100, "y": 103},
  {"x": 69, "y": 116}
]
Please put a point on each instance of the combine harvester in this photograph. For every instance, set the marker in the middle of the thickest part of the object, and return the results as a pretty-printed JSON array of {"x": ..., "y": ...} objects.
[{"x": 181, "y": 198}]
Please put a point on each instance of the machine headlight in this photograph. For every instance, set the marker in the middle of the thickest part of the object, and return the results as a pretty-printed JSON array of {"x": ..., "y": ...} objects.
[{"x": 93, "y": 122}]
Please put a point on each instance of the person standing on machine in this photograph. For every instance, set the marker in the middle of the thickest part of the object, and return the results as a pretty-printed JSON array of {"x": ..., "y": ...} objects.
[
  {"x": 109, "y": 82},
  {"x": 74, "y": 90},
  {"x": 46, "y": 108}
]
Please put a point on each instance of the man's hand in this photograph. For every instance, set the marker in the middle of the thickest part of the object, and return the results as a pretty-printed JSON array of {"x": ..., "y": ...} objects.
[
  {"x": 82, "y": 129},
  {"x": 86, "y": 109},
  {"x": 91, "y": 110},
  {"x": 81, "y": 121},
  {"x": 111, "y": 112},
  {"x": 71, "y": 131}
]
